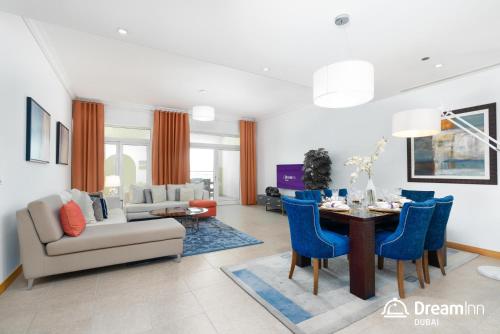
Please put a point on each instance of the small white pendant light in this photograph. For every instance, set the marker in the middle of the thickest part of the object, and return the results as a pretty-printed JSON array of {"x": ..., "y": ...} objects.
[
  {"x": 344, "y": 84},
  {"x": 203, "y": 113},
  {"x": 414, "y": 123}
]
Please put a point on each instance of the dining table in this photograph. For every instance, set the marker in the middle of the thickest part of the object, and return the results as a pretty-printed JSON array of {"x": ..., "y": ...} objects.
[{"x": 362, "y": 223}]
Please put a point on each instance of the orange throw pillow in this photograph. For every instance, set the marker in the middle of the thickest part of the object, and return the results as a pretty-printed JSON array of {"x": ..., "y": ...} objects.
[{"x": 72, "y": 219}]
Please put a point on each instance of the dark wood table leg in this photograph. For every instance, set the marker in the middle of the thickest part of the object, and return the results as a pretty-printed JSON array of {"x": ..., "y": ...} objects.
[
  {"x": 303, "y": 261},
  {"x": 362, "y": 260}
]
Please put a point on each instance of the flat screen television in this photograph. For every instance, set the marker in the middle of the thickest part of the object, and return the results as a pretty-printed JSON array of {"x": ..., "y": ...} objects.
[{"x": 290, "y": 177}]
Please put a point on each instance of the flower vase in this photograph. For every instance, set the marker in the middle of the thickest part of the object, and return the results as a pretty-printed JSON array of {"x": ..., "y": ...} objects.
[{"x": 371, "y": 195}]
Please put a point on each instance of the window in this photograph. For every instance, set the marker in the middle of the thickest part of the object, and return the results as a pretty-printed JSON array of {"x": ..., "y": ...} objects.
[
  {"x": 215, "y": 161},
  {"x": 127, "y": 155}
]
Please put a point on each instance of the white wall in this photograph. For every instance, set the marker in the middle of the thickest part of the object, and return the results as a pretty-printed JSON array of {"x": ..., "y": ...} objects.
[
  {"x": 25, "y": 72},
  {"x": 285, "y": 138}
]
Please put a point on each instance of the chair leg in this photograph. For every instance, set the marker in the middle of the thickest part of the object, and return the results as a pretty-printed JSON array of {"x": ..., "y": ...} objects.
[
  {"x": 294, "y": 263},
  {"x": 325, "y": 263},
  {"x": 380, "y": 262},
  {"x": 420, "y": 272},
  {"x": 425, "y": 264},
  {"x": 440, "y": 259},
  {"x": 401, "y": 278},
  {"x": 316, "y": 263}
]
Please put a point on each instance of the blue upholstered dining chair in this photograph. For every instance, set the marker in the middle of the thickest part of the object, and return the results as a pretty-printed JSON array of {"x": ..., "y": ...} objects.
[
  {"x": 309, "y": 239},
  {"x": 314, "y": 195},
  {"x": 417, "y": 195},
  {"x": 407, "y": 241},
  {"x": 434, "y": 240},
  {"x": 329, "y": 192}
]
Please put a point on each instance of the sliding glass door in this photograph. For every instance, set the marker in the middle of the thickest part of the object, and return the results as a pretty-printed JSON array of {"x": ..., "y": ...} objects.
[{"x": 127, "y": 155}]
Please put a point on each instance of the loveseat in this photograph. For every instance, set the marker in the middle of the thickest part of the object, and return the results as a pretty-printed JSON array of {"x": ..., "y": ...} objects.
[{"x": 45, "y": 250}]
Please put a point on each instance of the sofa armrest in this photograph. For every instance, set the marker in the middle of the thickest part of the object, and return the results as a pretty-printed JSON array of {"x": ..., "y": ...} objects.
[{"x": 113, "y": 203}]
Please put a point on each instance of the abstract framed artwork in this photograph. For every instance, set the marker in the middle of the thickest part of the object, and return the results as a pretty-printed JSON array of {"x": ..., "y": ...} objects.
[
  {"x": 62, "y": 146},
  {"x": 453, "y": 155},
  {"x": 37, "y": 132}
]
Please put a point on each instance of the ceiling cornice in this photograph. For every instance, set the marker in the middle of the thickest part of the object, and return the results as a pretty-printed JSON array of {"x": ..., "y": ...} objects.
[{"x": 47, "y": 50}]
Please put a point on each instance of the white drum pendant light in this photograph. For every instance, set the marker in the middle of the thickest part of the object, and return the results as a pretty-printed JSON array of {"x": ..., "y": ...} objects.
[
  {"x": 203, "y": 113},
  {"x": 414, "y": 123},
  {"x": 344, "y": 84}
]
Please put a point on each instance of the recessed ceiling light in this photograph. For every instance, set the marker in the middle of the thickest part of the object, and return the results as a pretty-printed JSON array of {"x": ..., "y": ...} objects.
[
  {"x": 122, "y": 31},
  {"x": 438, "y": 65},
  {"x": 202, "y": 91},
  {"x": 425, "y": 58},
  {"x": 266, "y": 69}
]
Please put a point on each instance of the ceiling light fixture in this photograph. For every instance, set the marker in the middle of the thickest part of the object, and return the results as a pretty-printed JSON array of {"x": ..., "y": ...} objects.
[
  {"x": 438, "y": 65},
  {"x": 343, "y": 84},
  {"x": 202, "y": 91},
  {"x": 203, "y": 113},
  {"x": 266, "y": 69},
  {"x": 122, "y": 31},
  {"x": 425, "y": 58}
]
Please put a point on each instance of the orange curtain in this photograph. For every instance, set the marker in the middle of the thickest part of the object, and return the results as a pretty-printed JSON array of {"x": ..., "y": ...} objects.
[
  {"x": 87, "y": 154},
  {"x": 170, "y": 148},
  {"x": 248, "y": 164}
]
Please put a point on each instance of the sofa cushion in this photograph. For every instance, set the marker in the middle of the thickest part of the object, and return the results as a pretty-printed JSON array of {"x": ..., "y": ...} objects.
[
  {"x": 136, "y": 194},
  {"x": 171, "y": 191},
  {"x": 72, "y": 219},
  {"x": 116, "y": 235},
  {"x": 145, "y": 207},
  {"x": 45, "y": 215},
  {"x": 159, "y": 193},
  {"x": 186, "y": 194},
  {"x": 198, "y": 189},
  {"x": 83, "y": 200}
]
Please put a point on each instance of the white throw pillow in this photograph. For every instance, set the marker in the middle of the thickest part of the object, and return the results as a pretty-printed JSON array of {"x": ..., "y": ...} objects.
[
  {"x": 85, "y": 203},
  {"x": 187, "y": 194},
  {"x": 159, "y": 193},
  {"x": 65, "y": 196},
  {"x": 198, "y": 189},
  {"x": 171, "y": 190},
  {"x": 136, "y": 194}
]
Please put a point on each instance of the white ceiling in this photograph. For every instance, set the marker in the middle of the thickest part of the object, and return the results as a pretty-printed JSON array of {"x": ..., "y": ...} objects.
[{"x": 174, "y": 48}]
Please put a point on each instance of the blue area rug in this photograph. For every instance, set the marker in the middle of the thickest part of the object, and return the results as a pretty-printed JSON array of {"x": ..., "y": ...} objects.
[
  {"x": 213, "y": 236},
  {"x": 292, "y": 301}
]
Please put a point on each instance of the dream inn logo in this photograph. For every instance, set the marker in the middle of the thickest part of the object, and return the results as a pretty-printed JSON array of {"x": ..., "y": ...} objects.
[{"x": 395, "y": 308}]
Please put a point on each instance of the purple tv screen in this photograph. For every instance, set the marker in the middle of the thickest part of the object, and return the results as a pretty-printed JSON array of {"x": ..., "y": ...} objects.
[{"x": 290, "y": 177}]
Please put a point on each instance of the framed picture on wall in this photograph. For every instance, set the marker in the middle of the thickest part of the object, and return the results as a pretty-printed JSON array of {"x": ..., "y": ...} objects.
[
  {"x": 453, "y": 155},
  {"x": 62, "y": 146},
  {"x": 37, "y": 132}
]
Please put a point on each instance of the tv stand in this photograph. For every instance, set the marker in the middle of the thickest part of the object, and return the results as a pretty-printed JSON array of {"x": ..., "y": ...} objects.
[{"x": 271, "y": 203}]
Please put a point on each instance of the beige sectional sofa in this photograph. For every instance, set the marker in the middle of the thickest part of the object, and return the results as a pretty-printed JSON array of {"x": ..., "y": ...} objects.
[{"x": 45, "y": 250}]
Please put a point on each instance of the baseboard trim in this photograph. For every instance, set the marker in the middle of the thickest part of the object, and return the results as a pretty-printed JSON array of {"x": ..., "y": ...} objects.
[
  {"x": 472, "y": 249},
  {"x": 10, "y": 279}
]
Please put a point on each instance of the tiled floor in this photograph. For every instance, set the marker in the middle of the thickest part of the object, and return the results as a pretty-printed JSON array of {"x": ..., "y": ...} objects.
[{"x": 194, "y": 296}]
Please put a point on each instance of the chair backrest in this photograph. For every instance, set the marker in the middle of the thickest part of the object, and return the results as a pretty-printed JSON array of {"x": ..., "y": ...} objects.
[
  {"x": 313, "y": 195},
  {"x": 417, "y": 195},
  {"x": 407, "y": 242},
  {"x": 305, "y": 231},
  {"x": 329, "y": 192},
  {"x": 437, "y": 227}
]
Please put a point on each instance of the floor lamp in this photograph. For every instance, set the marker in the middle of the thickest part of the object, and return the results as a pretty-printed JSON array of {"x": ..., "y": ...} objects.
[{"x": 427, "y": 122}]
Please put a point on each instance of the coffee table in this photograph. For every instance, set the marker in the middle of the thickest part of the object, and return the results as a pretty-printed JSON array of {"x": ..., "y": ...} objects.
[{"x": 192, "y": 214}]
